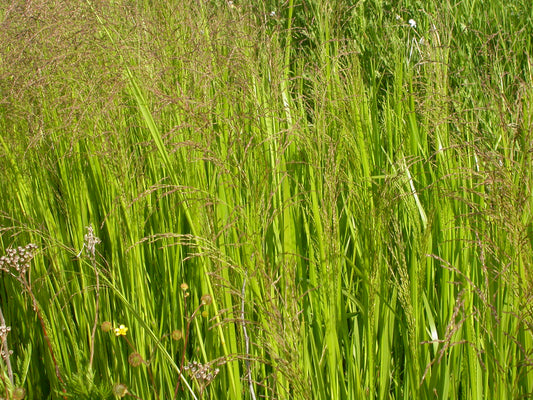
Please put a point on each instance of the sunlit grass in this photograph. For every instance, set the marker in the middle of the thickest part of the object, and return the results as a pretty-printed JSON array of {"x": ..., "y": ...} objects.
[{"x": 266, "y": 200}]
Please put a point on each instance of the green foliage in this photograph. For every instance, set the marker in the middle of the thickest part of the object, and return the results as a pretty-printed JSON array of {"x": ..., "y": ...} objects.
[
  {"x": 82, "y": 386},
  {"x": 295, "y": 200}
]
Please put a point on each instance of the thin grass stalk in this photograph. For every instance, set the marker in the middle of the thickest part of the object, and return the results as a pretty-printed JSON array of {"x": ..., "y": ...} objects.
[{"x": 246, "y": 342}]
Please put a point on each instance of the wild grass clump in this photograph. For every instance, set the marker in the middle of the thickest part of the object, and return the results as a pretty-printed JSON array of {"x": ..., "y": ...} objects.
[{"x": 266, "y": 200}]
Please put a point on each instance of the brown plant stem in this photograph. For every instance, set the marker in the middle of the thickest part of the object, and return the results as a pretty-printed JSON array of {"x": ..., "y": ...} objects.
[
  {"x": 97, "y": 304},
  {"x": 5, "y": 349},
  {"x": 147, "y": 364}
]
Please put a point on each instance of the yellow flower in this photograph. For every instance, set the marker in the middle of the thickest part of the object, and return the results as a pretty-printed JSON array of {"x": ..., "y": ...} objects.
[{"x": 121, "y": 330}]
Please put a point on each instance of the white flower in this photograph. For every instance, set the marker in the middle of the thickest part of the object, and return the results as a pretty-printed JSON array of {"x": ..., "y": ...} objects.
[
  {"x": 412, "y": 22},
  {"x": 272, "y": 14}
]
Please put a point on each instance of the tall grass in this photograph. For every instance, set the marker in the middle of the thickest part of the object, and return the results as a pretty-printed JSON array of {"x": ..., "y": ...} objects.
[{"x": 277, "y": 200}]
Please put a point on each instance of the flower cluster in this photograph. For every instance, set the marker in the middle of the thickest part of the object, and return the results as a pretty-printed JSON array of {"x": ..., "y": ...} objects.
[
  {"x": 4, "y": 330},
  {"x": 203, "y": 373},
  {"x": 6, "y": 354},
  {"x": 18, "y": 259},
  {"x": 90, "y": 241}
]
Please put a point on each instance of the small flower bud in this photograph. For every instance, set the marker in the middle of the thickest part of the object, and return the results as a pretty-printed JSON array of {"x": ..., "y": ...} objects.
[
  {"x": 106, "y": 326},
  {"x": 19, "y": 393},
  {"x": 206, "y": 299},
  {"x": 120, "y": 390},
  {"x": 176, "y": 335},
  {"x": 135, "y": 359}
]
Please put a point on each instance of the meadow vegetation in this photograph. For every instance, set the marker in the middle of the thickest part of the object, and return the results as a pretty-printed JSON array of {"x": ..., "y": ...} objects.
[{"x": 266, "y": 199}]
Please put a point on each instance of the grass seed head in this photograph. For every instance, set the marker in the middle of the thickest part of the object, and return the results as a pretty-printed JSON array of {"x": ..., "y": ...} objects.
[
  {"x": 206, "y": 299},
  {"x": 19, "y": 393},
  {"x": 176, "y": 335},
  {"x": 135, "y": 359},
  {"x": 106, "y": 326},
  {"x": 120, "y": 390}
]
